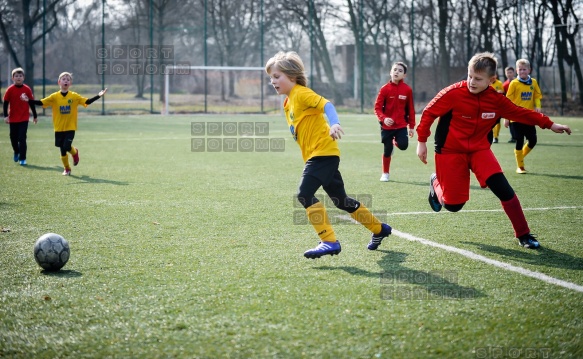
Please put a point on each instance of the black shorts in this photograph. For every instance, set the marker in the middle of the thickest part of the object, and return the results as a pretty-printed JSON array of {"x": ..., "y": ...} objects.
[{"x": 64, "y": 139}]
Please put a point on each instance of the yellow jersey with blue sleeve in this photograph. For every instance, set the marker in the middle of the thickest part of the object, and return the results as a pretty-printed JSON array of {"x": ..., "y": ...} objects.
[
  {"x": 524, "y": 93},
  {"x": 64, "y": 108},
  {"x": 304, "y": 112}
]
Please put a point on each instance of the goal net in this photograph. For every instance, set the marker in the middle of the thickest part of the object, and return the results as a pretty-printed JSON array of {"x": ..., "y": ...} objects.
[{"x": 218, "y": 89}]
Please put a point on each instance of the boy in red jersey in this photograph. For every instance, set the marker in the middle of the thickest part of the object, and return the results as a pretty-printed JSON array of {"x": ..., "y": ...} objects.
[
  {"x": 304, "y": 112},
  {"x": 467, "y": 111},
  {"x": 64, "y": 108},
  {"x": 16, "y": 114},
  {"x": 395, "y": 111}
]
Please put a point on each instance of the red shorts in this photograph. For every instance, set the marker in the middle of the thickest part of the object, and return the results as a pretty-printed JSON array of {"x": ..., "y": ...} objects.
[{"x": 453, "y": 173}]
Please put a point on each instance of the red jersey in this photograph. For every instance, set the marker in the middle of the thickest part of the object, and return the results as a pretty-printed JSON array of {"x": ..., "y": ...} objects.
[
  {"x": 505, "y": 85},
  {"x": 395, "y": 101},
  {"x": 18, "y": 109},
  {"x": 465, "y": 119}
]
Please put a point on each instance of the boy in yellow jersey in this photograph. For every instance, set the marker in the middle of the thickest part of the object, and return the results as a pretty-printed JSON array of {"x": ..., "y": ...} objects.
[
  {"x": 524, "y": 91},
  {"x": 304, "y": 111},
  {"x": 64, "y": 107},
  {"x": 499, "y": 87}
]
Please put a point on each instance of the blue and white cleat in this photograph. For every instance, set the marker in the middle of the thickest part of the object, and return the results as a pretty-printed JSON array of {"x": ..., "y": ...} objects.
[
  {"x": 528, "y": 241},
  {"x": 376, "y": 239},
  {"x": 322, "y": 249},
  {"x": 433, "y": 200}
]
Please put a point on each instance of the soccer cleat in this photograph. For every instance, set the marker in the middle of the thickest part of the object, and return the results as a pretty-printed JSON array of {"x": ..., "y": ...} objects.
[
  {"x": 512, "y": 140},
  {"x": 16, "y": 157},
  {"x": 385, "y": 177},
  {"x": 495, "y": 140},
  {"x": 322, "y": 249},
  {"x": 521, "y": 170},
  {"x": 23, "y": 162},
  {"x": 528, "y": 241},
  {"x": 376, "y": 239},
  {"x": 67, "y": 172},
  {"x": 433, "y": 200},
  {"x": 76, "y": 158}
]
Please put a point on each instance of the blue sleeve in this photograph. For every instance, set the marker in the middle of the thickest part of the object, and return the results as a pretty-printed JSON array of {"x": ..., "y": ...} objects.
[{"x": 330, "y": 112}]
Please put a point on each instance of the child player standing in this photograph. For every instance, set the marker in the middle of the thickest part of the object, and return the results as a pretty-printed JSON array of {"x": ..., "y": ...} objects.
[
  {"x": 16, "y": 114},
  {"x": 499, "y": 87},
  {"x": 395, "y": 112},
  {"x": 304, "y": 111},
  {"x": 64, "y": 108},
  {"x": 524, "y": 92},
  {"x": 467, "y": 111}
]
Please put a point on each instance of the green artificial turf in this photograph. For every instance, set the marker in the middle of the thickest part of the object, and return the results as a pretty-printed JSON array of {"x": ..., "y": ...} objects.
[{"x": 183, "y": 254}]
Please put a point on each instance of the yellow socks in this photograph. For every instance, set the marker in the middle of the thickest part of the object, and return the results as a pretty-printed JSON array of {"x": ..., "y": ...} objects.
[
  {"x": 319, "y": 219},
  {"x": 525, "y": 150},
  {"x": 367, "y": 219},
  {"x": 73, "y": 151},
  {"x": 519, "y": 158},
  {"x": 65, "y": 160}
]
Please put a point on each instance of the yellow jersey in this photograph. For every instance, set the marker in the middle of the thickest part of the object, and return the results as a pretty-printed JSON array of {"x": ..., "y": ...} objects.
[
  {"x": 64, "y": 108},
  {"x": 498, "y": 86},
  {"x": 524, "y": 95},
  {"x": 304, "y": 112}
]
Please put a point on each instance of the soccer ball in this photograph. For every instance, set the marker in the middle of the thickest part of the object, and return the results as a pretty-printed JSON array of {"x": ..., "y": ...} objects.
[{"x": 51, "y": 251}]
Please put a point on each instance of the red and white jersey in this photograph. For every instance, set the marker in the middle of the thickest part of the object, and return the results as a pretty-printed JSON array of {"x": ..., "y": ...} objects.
[
  {"x": 465, "y": 119},
  {"x": 395, "y": 101}
]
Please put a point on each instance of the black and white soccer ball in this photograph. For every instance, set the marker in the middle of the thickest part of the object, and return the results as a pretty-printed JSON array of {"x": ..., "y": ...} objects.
[{"x": 51, "y": 251}]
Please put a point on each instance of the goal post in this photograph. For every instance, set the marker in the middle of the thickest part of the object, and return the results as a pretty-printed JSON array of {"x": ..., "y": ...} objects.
[{"x": 254, "y": 88}]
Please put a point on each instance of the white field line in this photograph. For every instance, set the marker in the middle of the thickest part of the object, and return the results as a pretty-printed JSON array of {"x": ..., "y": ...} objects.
[
  {"x": 486, "y": 210},
  {"x": 481, "y": 258}
]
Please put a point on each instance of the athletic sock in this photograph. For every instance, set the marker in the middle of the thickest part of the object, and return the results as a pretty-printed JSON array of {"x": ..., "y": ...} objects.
[
  {"x": 73, "y": 151},
  {"x": 386, "y": 164},
  {"x": 319, "y": 219},
  {"x": 519, "y": 158},
  {"x": 367, "y": 219},
  {"x": 525, "y": 150},
  {"x": 65, "y": 160},
  {"x": 515, "y": 213},
  {"x": 438, "y": 191}
]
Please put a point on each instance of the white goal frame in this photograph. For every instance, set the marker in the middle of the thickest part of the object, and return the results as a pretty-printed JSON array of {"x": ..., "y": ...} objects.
[{"x": 184, "y": 70}]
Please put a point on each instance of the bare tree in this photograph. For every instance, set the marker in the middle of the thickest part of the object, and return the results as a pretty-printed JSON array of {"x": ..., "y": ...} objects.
[
  {"x": 564, "y": 19},
  {"x": 29, "y": 31}
]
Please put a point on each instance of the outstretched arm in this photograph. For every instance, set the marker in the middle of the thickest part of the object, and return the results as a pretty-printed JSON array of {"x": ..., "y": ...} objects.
[
  {"x": 558, "y": 128},
  {"x": 93, "y": 99}
]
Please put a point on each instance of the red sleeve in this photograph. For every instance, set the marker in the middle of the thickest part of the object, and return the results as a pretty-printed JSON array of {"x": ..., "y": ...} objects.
[
  {"x": 515, "y": 113},
  {"x": 379, "y": 103},
  {"x": 440, "y": 105}
]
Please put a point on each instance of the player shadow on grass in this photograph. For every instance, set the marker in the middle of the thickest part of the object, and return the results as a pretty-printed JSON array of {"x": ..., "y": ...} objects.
[
  {"x": 401, "y": 283},
  {"x": 63, "y": 273},
  {"x": 88, "y": 179},
  {"x": 43, "y": 168},
  {"x": 543, "y": 256},
  {"x": 580, "y": 178}
]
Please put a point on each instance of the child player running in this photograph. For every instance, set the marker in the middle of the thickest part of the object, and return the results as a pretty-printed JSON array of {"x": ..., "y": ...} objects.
[
  {"x": 64, "y": 107},
  {"x": 395, "y": 112},
  {"x": 304, "y": 111},
  {"x": 467, "y": 111},
  {"x": 524, "y": 92},
  {"x": 16, "y": 114}
]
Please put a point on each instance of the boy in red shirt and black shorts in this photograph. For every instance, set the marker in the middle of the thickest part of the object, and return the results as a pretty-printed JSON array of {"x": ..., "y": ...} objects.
[
  {"x": 467, "y": 111},
  {"x": 16, "y": 114}
]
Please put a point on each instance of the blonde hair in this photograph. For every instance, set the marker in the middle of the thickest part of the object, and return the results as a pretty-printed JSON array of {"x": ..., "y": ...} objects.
[
  {"x": 17, "y": 70},
  {"x": 524, "y": 62},
  {"x": 290, "y": 64},
  {"x": 484, "y": 62},
  {"x": 63, "y": 74}
]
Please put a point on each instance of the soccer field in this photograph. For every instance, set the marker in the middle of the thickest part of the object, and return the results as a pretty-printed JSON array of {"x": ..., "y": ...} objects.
[{"x": 183, "y": 252}]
